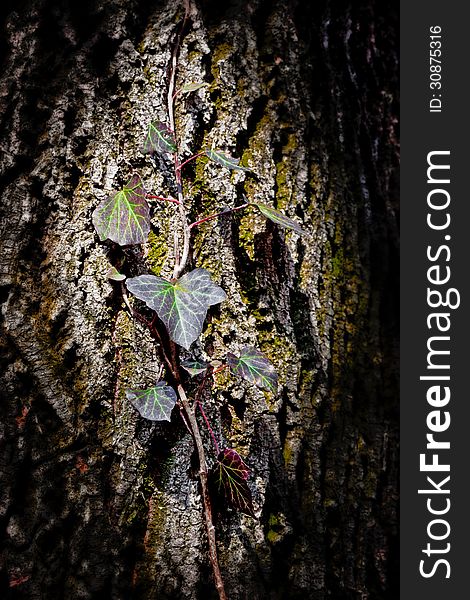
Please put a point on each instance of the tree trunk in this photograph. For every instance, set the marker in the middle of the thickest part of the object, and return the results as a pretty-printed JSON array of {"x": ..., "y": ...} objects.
[{"x": 95, "y": 501}]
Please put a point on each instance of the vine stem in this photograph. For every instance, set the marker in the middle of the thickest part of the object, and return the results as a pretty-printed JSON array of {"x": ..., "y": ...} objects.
[
  {"x": 198, "y": 403},
  {"x": 208, "y": 425},
  {"x": 180, "y": 262},
  {"x": 180, "y": 166},
  {"x": 203, "y": 477},
  {"x": 162, "y": 199},
  {"x": 219, "y": 214},
  {"x": 151, "y": 327}
]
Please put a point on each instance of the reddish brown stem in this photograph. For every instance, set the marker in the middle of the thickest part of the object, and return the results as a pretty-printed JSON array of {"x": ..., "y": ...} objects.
[
  {"x": 180, "y": 263},
  {"x": 209, "y": 428},
  {"x": 151, "y": 327},
  {"x": 203, "y": 477},
  {"x": 219, "y": 214},
  {"x": 183, "y": 418},
  {"x": 179, "y": 167},
  {"x": 219, "y": 369},
  {"x": 198, "y": 403}
]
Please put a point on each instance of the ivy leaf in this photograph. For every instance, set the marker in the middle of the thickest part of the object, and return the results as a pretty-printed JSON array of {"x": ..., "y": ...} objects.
[
  {"x": 254, "y": 367},
  {"x": 225, "y": 160},
  {"x": 114, "y": 274},
  {"x": 192, "y": 87},
  {"x": 160, "y": 138},
  {"x": 182, "y": 304},
  {"x": 125, "y": 217},
  {"x": 228, "y": 479},
  {"x": 277, "y": 217},
  {"x": 194, "y": 367},
  {"x": 154, "y": 403}
]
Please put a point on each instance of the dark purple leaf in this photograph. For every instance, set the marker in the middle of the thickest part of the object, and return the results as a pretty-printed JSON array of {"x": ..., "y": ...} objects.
[
  {"x": 228, "y": 479},
  {"x": 154, "y": 403},
  {"x": 254, "y": 367},
  {"x": 160, "y": 138},
  {"x": 125, "y": 217}
]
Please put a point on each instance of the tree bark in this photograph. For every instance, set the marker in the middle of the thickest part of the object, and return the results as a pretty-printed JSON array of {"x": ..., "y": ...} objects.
[{"x": 95, "y": 502}]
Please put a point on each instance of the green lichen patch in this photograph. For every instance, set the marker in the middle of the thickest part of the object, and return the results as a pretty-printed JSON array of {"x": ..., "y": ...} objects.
[
  {"x": 157, "y": 252},
  {"x": 219, "y": 53},
  {"x": 126, "y": 359},
  {"x": 277, "y": 348},
  {"x": 205, "y": 244},
  {"x": 246, "y": 234},
  {"x": 284, "y": 185},
  {"x": 278, "y": 528},
  {"x": 317, "y": 184}
]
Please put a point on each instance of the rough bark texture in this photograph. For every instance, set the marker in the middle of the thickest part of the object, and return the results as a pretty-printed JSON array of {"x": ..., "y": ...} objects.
[{"x": 97, "y": 503}]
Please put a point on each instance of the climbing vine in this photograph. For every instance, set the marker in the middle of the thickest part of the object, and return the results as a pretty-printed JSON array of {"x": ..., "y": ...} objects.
[{"x": 179, "y": 305}]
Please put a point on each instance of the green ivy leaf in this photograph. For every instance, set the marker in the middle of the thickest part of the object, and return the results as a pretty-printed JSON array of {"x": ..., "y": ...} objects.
[
  {"x": 181, "y": 305},
  {"x": 225, "y": 160},
  {"x": 114, "y": 274},
  {"x": 160, "y": 138},
  {"x": 228, "y": 480},
  {"x": 125, "y": 217},
  {"x": 154, "y": 403},
  {"x": 277, "y": 217},
  {"x": 192, "y": 87},
  {"x": 194, "y": 367},
  {"x": 254, "y": 367}
]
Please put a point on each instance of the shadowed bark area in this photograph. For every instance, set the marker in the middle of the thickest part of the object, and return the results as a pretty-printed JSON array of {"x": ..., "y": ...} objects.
[{"x": 94, "y": 501}]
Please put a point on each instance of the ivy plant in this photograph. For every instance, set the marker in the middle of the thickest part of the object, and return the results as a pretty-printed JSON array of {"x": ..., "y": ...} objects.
[{"x": 180, "y": 304}]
